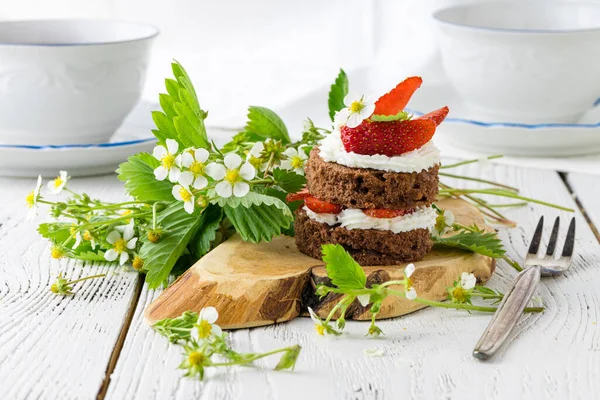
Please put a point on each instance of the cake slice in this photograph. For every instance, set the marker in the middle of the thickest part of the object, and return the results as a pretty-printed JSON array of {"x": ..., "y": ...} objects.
[{"x": 371, "y": 183}]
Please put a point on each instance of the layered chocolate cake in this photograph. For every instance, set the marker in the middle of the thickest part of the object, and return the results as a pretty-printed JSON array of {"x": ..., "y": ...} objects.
[{"x": 371, "y": 182}]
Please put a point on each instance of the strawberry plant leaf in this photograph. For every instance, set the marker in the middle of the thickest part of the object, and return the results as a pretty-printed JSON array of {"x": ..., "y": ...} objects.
[
  {"x": 289, "y": 181},
  {"x": 337, "y": 92},
  {"x": 210, "y": 221},
  {"x": 342, "y": 269},
  {"x": 480, "y": 242},
  {"x": 140, "y": 182},
  {"x": 266, "y": 124}
]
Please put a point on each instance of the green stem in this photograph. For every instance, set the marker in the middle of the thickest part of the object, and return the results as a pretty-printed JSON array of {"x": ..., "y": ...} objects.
[
  {"x": 468, "y": 178},
  {"x": 464, "y": 306},
  {"x": 85, "y": 278},
  {"x": 503, "y": 193},
  {"x": 512, "y": 263},
  {"x": 470, "y": 161},
  {"x": 253, "y": 358},
  {"x": 523, "y": 204},
  {"x": 496, "y": 215}
]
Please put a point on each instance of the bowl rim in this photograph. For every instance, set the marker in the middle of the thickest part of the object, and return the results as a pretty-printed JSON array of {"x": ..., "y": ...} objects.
[
  {"x": 155, "y": 31},
  {"x": 438, "y": 18}
]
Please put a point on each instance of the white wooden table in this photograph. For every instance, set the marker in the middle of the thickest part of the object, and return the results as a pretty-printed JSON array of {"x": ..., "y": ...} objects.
[{"x": 95, "y": 344}]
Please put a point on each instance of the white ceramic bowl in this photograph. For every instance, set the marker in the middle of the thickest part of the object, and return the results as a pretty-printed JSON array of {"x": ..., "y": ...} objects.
[
  {"x": 526, "y": 61},
  {"x": 69, "y": 81}
]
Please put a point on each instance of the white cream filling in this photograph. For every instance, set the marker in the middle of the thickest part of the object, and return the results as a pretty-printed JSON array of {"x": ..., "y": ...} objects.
[
  {"x": 352, "y": 218},
  {"x": 332, "y": 150}
]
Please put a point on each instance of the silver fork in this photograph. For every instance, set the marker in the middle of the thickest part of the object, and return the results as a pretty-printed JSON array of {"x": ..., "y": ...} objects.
[{"x": 516, "y": 299}]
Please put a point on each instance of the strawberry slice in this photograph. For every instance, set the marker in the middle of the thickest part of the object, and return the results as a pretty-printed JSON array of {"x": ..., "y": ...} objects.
[
  {"x": 389, "y": 138},
  {"x": 396, "y": 99},
  {"x": 321, "y": 207},
  {"x": 437, "y": 116},
  {"x": 301, "y": 195},
  {"x": 384, "y": 213}
]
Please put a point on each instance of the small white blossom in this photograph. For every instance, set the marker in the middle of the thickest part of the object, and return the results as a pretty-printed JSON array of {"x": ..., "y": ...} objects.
[
  {"x": 295, "y": 160},
  {"x": 409, "y": 290},
  {"x": 443, "y": 222},
  {"x": 58, "y": 184},
  {"x": 169, "y": 161},
  {"x": 319, "y": 325},
  {"x": 233, "y": 176},
  {"x": 254, "y": 156},
  {"x": 121, "y": 243},
  {"x": 363, "y": 299},
  {"x": 358, "y": 108},
  {"x": 195, "y": 161},
  {"x": 183, "y": 194},
  {"x": 32, "y": 199},
  {"x": 206, "y": 328},
  {"x": 467, "y": 281}
]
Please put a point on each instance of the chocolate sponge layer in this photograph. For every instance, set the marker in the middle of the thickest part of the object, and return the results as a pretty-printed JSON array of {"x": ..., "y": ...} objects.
[
  {"x": 370, "y": 188},
  {"x": 367, "y": 246}
]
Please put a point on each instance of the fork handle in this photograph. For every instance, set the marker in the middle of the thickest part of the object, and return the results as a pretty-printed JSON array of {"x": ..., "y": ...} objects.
[{"x": 508, "y": 313}]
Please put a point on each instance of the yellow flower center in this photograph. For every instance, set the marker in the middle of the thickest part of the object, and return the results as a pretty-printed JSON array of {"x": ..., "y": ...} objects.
[
  {"x": 120, "y": 245},
  {"x": 197, "y": 168},
  {"x": 30, "y": 199},
  {"x": 57, "y": 182},
  {"x": 126, "y": 213},
  {"x": 185, "y": 195},
  {"x": 232, "y": 176},
  {"x": 320, "y": 329},
  {"x": 196, "y": 358},
  {"x": 87, "y": 236},
  {"x": 356, "y": 106},
  {"x": 168, "y": 160},
  {"x": 73, "y": 229},
  {"x": 256, "y": 162},
  {"x": 204, "y": 329},
  {"x": 137, "y": 263},
  {"x": 458, "y": 294},
  {"x": 297, "y": 162},
  {"x": 408, "y": 283},
  {"x": 56, "y": 252}
]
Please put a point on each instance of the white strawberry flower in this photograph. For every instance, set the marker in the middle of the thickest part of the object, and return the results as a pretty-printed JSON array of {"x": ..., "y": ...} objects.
[
  {"x": 234, "y": 176},
  {"x": 206, "y": 328},
  {"x": 364, "y": 299},
  {"x": 32, "y": 199},
  {"x": 254, "y": 156},
  {"x": 58, "y": 184},
  {"x": 467, "y": 281},
  {"x": 443, "y": 222},
  {"x": 295, "y": 160},
  {"x": 319, "y": 324},
  {"x": 358, "y": 108},
  {"x": 169, "y": 161},
  {"x": 121, "y": 243},
  {"x": 184, "y": 194},
  {"x": 409, "y": 290},
  {"x": 195, "y": 161}
]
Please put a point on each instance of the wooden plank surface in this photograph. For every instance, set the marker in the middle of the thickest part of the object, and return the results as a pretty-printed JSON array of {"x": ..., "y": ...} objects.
[
  {"x": 554, "y": 355},
  {"x": 54, "y": 347}
]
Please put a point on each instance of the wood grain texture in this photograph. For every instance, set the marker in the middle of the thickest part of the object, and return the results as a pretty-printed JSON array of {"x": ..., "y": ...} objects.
[
  {"x": 254, "y": 285},
  {"x": 553, "y": 355},
  {"x": 52, "y": 346}
]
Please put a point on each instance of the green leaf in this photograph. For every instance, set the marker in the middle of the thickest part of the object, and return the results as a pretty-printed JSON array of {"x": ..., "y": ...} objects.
[
  {"x": 401, "y": 116},
  {"x": 344, "y": 272},
  {"x": 176, "y": 329},
  {"x": 210, "y": 221},
  {"x": 90, "y": 255},
  {"x": 257, "y": 217},
  {"x": 167, "y": 105},
  {"x": 266, "y": 124},
  {"x": 289, "y": 181},
  {"x": 56, "y": 232},
  {"x": 178, "y": 228},
  {"x": 338, "y": 91},
  {"x": 172, "y": 87},
  {"x": 140, "y": 182},
  {"x": 480, "y": 242},
  {"x": 165, "y": 125}
]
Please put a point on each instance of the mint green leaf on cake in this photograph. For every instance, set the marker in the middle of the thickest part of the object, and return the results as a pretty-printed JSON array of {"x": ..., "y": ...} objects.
[
  {"x": 210, "y": 221},
  {"x": 178, "y": 228},
  {"x": 401, "y": 116},
  {"x": 344, "y": 272},
  {"x": 266, "y": 124},
  {"x": 257, "y": 217},
  {"x": 140, "y": 182},
  {"x": 480, "y": 242},
  {"x": 289, "y": 181},
  {"x": 337, "y": 92}
]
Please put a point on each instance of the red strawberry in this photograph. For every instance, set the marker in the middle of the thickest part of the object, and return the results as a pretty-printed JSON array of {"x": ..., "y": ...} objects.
[
  {"x": 301, "y": 195},
  {"x": 321, "y": 207},
  {"x": 384, "y": 213},
  {"x": 396, "y": 99},
  {"x": 436, "y": 116},
  {"x": 388, "y": 138}
]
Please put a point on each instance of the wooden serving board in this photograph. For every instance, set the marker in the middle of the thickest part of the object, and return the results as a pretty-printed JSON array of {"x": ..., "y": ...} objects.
[{"x": 262, "y": 284}]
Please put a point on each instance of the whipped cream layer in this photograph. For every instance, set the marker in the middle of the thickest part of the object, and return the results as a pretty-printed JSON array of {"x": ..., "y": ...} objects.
[
  {"x": 352, "y": 218},
  {"x": 332, "y": 150}
]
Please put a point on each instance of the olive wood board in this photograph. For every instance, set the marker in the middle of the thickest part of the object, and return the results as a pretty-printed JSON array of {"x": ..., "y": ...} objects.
[{"x": 261, "y": 284}]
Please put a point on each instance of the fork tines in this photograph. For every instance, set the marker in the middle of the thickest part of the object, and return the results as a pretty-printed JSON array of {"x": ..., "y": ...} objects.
[{"x": 548, "y": 261}]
